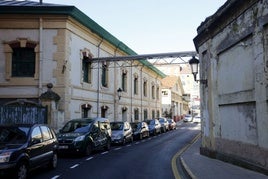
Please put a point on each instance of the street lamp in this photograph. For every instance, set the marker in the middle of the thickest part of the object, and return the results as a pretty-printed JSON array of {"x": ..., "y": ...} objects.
[
  {"x": 194, "y": 67},
  {"x": 119, "y": 93}
]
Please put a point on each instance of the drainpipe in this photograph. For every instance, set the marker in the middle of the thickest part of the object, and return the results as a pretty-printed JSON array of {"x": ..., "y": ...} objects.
[
  {"x": 156, "y": 96},
  {"x": 40, "y": 55},
  {"x": 116, "y": 106},
  {"x": 98, "y": 81},
  {"x": 141, "y": 90},
  {"x": 131, "y": 92}
]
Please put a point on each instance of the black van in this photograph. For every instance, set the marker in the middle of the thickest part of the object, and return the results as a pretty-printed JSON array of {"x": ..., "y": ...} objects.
[
  {"x": 24, "y": 147},
  {"x": 84, "y": 135}
]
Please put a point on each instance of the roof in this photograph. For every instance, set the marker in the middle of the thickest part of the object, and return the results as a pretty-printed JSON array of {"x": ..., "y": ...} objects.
[
  {"x": 31, "y": 7},
  {"x": 169, "y": 81},
  {"x": 223, "y": 16}
]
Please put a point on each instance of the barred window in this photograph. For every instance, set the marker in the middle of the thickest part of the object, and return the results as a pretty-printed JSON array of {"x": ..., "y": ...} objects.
[{"x": 23, "y": 62}]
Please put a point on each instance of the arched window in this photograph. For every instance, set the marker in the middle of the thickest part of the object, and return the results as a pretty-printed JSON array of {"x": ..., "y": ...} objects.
[{"x": 86, "y": 66}]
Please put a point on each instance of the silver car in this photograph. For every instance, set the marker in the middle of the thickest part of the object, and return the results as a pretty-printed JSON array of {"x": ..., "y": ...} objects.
[
  {"x": 188, "y": 118},
  {"x": 121, "y": 132}
]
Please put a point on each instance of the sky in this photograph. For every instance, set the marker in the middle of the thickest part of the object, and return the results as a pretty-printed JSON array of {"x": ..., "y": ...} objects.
[{"x": 149, "y": 26}]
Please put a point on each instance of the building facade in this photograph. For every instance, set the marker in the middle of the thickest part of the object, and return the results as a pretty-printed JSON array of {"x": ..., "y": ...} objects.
[
  {"x": 43, "y": 44},
  {"x": 232, "y": 46},
  {"x": 174, "y": 105}
]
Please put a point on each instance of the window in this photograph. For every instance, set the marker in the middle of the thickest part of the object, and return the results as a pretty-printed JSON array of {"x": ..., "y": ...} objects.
[
  {"x": 157, "y": 93},
  {"x": 23, "y": 62},
  {"x": 153, "y": 114},
  {"x": 145, "y": 115},
  {"x": 86, "y": 65},
  {"x": 145, "y": 88},
  {"x": 36, "y": 134},
  {"x": 46, "y": 133},
  {"x": 135, "y": 84},
  {"x": 85, "y": 110},
  {"x": 136, "y": 114},
  {"x": 104, "y": 111},
  {"x": 86, "y": 69},
  {"x": 124, "y": 81},
  {"x": 158, "y": 114},
  {"x": 153, "y": 92},
  {"x": 104, "y": 75}
]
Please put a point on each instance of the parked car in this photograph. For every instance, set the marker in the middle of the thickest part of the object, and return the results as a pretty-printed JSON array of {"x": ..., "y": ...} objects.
[
  {"x": 84, "y": 135},
  {"x": 154, "y": 126},
  {"x": 188, "y": 118},
  {"x": 24, "y": 147},
  {"x": 164, "y": 124},
  {"x": 121, "y": 132},
  {"x": 172, "y": 124},
  {"x": 140, "y": 130},
  {"x": 197, "y": 119}
]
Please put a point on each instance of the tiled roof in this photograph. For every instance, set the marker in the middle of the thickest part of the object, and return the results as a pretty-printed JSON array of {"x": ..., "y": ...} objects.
[{"x": 169, "y": 81}]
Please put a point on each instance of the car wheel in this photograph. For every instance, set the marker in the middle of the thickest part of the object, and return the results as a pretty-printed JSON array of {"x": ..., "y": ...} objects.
[
  {"x": 154, "y": 132},
  {"x": 88, "y": 149},
  {"x": 21, "y": 171},
  {"x": 140, "y": 136},
  {"x": 124, "y": 141},
  {"x": 108, "y": 145},
  {"x": 54, "y": 161},
  {"x": 131, "y": 139}
]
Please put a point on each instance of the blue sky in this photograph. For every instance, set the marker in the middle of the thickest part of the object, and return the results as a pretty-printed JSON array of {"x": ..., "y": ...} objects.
[{"x": 149, "y": 26}]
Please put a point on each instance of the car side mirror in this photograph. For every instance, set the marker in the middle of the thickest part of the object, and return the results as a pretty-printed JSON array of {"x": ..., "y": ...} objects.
[{"x": 35, "y": 141}]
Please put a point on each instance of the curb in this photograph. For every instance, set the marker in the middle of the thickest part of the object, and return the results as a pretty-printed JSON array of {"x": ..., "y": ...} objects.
[
  {"x": 187, "y": 169},
  {"x": 183, "y": 163}
]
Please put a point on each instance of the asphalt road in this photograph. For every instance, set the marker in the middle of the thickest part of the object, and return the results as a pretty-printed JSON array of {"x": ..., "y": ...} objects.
[{"x": 142, "y": 159}]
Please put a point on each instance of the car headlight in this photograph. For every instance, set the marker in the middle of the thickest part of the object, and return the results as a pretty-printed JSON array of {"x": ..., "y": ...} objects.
[
  {"x": 80, "y": 138},
  {"x": 4, "y": 157}
]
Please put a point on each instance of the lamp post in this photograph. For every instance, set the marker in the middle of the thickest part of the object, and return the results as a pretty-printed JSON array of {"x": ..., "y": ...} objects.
[
  {"x": 119, "y": 93},
  {"x": 194, "y": 67}
]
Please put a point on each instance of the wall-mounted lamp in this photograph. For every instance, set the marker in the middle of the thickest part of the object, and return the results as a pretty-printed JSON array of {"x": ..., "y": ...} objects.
[
  {"x": 194, "y": 67},
  {"x": 119, "y": 93}
]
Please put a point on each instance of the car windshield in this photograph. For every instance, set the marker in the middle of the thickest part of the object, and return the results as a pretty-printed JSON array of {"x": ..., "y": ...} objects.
[
  {"x": 151, "y": 122},
  {"x": 161, "y": 120},
  {"x": 135, "y": 126},
  {"x": 13, "y": 135},
  {"x": 117, "y": 125},
  {"x": 76, "y": 126}
]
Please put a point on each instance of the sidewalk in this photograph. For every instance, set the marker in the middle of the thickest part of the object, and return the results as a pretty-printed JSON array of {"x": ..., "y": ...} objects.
[{"x": 202, "y": 167}]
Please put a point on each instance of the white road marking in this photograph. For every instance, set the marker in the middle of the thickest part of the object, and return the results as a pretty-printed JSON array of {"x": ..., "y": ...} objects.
[
  {"x": 118, "y": 148},
  {"x": 74, "y": 166},
  {"x": 89, "y": 158},
  {"x": 104, "y": 152},
  {"x": 57, "y": 176}
]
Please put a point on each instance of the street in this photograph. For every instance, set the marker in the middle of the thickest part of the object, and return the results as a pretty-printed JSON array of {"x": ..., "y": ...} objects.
[{"x": 147, "y": 158}]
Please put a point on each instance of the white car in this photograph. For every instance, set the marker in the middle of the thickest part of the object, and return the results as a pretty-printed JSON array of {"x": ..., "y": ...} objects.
[
  {"x": 197, "y": 119},
  {"x": 188, "y": 118}
]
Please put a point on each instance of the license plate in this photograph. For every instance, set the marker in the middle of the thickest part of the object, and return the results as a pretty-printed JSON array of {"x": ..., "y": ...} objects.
[{"x": 63, "y": 147}]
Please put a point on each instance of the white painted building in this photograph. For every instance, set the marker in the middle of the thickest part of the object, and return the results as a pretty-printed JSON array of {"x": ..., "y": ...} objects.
[{"x": 47, "y": 43}]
